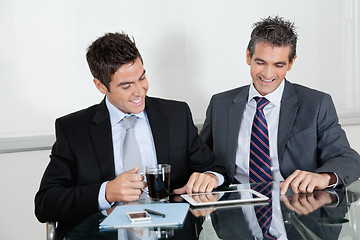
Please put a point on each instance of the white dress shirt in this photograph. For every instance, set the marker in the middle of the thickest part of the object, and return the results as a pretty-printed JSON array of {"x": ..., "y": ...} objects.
[
  {"x": 272, "y": 112},
  {"x": 143, "y": 136},
  {"x": 145, "y": 141}
]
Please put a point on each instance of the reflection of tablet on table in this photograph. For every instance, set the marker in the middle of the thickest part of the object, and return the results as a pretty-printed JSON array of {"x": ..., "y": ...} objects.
[{"x": 224, "y": 197}]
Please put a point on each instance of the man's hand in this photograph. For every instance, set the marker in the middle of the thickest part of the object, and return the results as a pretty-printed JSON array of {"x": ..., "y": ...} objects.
[
  {"x": 201, "y": 212},
  {"x": 199, "y": 183},
  {"x": 303, "y": 181},
  {"x": 126, "y": 187},
  {"x": 211, "y": 197},
  {"x": 305, "y": 203}
]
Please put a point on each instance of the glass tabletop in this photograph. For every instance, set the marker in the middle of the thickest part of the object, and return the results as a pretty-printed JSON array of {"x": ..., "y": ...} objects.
[{"x": 326, "y": 214}]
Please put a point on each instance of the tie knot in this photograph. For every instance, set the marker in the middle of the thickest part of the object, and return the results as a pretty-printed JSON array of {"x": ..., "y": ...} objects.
[
  {"x": 261, "y": 102},
  {"x": 129, "y": 121}
]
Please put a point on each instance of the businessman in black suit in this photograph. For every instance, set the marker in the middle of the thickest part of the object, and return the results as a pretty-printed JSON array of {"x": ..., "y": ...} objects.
[
  {"x": 308, "y": 148},
  {"x": 86, "y": 172}
]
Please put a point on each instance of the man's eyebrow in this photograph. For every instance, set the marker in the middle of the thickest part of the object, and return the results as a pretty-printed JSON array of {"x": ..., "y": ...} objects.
[
  {"x": 142, "y": 74},
  {"x": 259, "y": 59},
  {"x": 277, "y": 63},
  {"x": 124, "y": 83}
]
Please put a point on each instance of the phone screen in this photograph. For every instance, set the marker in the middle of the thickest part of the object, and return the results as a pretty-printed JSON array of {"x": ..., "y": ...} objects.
[{"x": 139, "y": 216}]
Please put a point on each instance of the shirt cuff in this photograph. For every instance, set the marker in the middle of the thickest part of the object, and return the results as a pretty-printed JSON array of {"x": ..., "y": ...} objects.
[
  {"x": 335, "y": 184},
  {"x": 103, "y": 203},
  {"x": 219, "y": 176},
  {"x": 333, "y": 193}
]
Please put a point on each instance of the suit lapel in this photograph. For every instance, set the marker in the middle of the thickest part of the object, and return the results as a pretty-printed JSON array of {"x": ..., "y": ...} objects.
[
  {"x": 288, "y": 112},
  {"x": 235, "y": 113},
  {"x": 101, "y": 137},
  {"x": 160, "y": 129}
]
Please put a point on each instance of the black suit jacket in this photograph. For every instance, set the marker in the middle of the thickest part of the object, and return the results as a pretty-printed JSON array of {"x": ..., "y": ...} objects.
[{"x": 82, "y": 157}]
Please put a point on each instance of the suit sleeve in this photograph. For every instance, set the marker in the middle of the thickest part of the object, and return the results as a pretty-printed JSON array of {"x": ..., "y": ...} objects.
[
  {"x": 201, "y": 158},
  {"x": 60, "y": 198},
  {"x": 206, "y": 131},
  {"x": 336, "y": 155}
]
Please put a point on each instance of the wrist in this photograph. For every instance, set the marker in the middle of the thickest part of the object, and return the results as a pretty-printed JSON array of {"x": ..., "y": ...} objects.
[
  {"x": 332, "y": 178},
  {"x": 108, "y": 193},
  {"x": 213, "y": 176}
]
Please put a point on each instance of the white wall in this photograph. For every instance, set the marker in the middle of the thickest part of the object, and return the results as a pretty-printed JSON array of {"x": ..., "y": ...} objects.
[
  {"x": 20, "y": 175},
  {"x": 353, "y": 135},
  {"x": 192, "y": 49}
]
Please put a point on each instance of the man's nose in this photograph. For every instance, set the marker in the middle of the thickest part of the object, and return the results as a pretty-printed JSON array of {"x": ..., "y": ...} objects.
[
  {"x": 138, "y": 89},
  {"x": 268, "y": 73}
]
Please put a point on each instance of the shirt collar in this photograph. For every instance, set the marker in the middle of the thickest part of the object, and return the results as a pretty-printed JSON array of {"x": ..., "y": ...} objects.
[
  {"x": 274, "y": 97},
  {"x": 116, "y": 115}
]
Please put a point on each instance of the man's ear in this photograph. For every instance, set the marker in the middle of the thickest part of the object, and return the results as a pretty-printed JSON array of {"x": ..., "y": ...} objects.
[
  {"x": 100, "y": 86},
  {"x": 291, "y": 63},
  {"x": 248, "y": 58}
]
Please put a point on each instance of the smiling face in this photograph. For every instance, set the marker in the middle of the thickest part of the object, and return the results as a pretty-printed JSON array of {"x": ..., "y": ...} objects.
[
  {"x": 268, "y": 66},
  {"x": 127, "y": 88}
]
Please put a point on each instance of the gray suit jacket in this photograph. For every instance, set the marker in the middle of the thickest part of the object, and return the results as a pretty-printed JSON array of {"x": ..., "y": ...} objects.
[{"x": 309, "y": 135}]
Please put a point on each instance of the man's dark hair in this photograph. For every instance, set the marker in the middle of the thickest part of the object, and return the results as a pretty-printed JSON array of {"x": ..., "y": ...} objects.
[
  {"x": 274, "y": 31},
  {"x": 108, "y": 53}
]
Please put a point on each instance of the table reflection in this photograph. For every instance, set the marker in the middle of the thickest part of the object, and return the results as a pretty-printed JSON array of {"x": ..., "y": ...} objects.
[{"x": 320, "y": 215}]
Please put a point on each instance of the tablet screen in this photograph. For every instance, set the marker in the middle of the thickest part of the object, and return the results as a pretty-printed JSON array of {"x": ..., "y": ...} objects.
[{"x": 224, "y": 197}]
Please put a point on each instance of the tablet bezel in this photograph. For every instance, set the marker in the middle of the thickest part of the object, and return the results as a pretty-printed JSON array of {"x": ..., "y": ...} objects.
[{"x": 260, "y": 198}]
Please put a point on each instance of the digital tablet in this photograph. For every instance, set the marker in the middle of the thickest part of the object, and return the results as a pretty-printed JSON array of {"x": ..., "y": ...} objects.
[{"x": 224, "y": 197}]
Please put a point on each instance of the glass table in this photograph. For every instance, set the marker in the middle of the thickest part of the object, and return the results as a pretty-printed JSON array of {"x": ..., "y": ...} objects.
[{"x": 327, "y": 214}]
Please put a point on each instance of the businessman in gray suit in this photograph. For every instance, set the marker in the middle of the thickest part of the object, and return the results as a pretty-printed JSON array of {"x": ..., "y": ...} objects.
[{"x": 308, "y": 148}]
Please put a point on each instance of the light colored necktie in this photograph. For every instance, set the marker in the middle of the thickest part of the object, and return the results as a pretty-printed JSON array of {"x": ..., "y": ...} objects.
[{"x": 131, "y": 152}]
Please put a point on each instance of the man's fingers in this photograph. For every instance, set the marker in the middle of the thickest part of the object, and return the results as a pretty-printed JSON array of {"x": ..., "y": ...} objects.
[
  {"x": 285, "y": 184},
  {"x": 189, "y": 187},
  {"x": 287, "y": 203},
  {"x": 179, "y": 190},
  {"x": 138, "y": 185},
  {"x": 208, "y": 186},
  {"x": 201, "y": 212},
  {"x": 303, "y": 185},
  {"x": 132, "y": 175},
  {"x": 134, "y": 170},
  {"x": 127, "y": 186},
  {"x": 199, "y": 183},
  {"x": 195, "y": 183},
  {"x": 303, "y": 181},
  {"x": 297, "y": 181},
  {"x": 212, "y": 197},
  {"x": 204, "y": 182}
]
